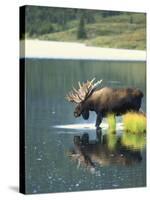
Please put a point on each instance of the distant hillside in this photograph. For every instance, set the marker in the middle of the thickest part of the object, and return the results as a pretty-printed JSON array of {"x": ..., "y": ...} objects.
[{"x": 92, "y": 27}]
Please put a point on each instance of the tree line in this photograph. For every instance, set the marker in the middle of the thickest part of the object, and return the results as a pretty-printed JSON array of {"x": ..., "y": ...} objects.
[{"x": 44, "y": 20}]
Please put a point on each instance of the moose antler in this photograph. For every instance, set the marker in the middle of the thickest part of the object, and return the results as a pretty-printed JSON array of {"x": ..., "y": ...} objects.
[{"x": 84, "y": 91}]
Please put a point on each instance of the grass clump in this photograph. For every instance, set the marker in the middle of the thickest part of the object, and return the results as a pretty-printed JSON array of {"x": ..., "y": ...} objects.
[
  {"x": 133, "y": 141},
  {"x": 112, "y": 141},
  {"x": 111, "y": 122},
  {"x": 134, "y": 122}
]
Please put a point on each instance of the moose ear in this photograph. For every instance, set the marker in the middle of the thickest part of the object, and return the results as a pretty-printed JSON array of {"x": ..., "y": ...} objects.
[{"x": 85, "y": 114}]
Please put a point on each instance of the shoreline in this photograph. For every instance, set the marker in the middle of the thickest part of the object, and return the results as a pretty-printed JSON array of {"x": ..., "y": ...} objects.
[{"x": 70, "y": 50}]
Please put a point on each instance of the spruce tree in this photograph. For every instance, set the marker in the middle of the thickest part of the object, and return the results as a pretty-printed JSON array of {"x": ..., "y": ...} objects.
[{"x": 81, "y": 34}]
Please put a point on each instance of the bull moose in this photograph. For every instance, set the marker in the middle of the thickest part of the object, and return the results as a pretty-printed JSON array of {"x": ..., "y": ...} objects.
[{"x": 104, "y": 100}]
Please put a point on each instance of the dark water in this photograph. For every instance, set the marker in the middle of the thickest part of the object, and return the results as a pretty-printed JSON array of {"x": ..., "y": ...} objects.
[{"x": 58, "y": 160}]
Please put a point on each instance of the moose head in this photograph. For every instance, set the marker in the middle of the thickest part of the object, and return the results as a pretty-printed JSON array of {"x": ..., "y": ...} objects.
[{"x": 80, "y": 97}]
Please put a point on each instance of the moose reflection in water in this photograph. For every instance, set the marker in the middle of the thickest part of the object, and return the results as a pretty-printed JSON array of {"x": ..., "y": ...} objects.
[
  {"x": 106, "y": 150},
  {"x": 104, "y": 100}
]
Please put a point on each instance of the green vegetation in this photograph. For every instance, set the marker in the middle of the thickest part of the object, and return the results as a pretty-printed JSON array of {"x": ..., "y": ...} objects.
[
  {"x": 127, "y": 139},
  {"x": 111, "y": 122},
  {"x": 134, "y": 136},
  {"x": 112, "y": 140},
  {"x": 134, "y": 122},
  {"x": 81, "y": 29},
  {"x": 92, "y": 27},
  {"x": 134, "y": 141}
]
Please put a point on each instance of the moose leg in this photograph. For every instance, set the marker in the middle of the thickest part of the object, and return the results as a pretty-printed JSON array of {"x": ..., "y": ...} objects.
[
  {"x": 98, "y": 120},
  {"x": 99, "y": 135}
]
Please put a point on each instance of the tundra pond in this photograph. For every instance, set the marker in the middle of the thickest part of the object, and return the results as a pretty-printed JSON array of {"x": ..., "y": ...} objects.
[{"x": 62, "y": 159}]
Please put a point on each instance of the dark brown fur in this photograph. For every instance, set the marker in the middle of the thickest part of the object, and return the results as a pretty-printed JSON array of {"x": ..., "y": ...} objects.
[{"x": 109, "y": 100}]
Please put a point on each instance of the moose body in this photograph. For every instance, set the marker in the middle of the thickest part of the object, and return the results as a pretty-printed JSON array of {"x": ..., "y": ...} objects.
[{"x": 107, "y": 100}]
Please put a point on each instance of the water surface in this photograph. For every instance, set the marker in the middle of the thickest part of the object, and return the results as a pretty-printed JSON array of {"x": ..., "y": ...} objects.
[{"x": 54, "y": 161}]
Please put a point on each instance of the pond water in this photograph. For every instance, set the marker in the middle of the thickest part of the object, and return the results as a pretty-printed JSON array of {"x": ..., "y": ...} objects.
[{"x": 61, "y": 159}]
